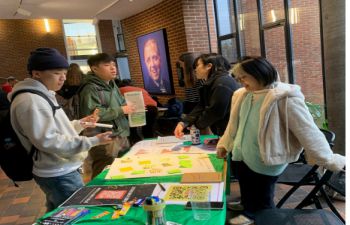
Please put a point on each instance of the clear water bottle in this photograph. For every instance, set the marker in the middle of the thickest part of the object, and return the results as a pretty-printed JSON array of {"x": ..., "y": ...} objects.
[
  {"x": 195, "y": 135},
  {"x": 154, "y": 208}
]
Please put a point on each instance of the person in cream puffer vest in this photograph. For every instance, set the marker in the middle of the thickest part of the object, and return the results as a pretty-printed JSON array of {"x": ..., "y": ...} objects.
[{"x": 269, "y": 127}]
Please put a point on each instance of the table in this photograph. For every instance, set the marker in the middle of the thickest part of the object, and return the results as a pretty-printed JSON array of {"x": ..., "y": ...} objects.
[{"x": 136, "y": 215}]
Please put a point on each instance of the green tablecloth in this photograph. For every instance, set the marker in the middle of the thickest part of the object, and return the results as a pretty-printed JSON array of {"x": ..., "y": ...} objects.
[{"x": 136, "y": 215}]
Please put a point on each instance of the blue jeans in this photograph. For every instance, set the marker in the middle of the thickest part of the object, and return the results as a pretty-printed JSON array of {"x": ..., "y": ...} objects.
[{"x": 58, "y": 189}]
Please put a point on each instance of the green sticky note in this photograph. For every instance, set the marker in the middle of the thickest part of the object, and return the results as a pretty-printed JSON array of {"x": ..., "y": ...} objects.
[
  {"x": 138, "y": 172},
  {"x": 118, "y": 177},
  {"x": 183, "y": 156},
  {"x": 185, "y": 163},
  {"x": 173, "y": 171}
]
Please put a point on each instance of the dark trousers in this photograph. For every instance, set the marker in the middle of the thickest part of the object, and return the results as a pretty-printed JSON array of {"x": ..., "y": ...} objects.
[
  {"x": 257, "y": 190},
  {"x": 151, "y": 117}
]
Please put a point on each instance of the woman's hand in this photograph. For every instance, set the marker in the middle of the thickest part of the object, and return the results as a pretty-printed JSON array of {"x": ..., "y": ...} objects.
[
  {"x": 221, "y": 153},
  {"x": 178, "y": 132},
  {"x": 105, "y": 137},
  {"x": 89, "y": 121}
]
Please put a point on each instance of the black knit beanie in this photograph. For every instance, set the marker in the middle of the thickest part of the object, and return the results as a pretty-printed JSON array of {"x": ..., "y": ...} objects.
[{"x": 46, "y": 59}]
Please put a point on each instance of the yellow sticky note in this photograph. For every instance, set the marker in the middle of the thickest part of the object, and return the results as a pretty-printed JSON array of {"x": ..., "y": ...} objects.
[
  {"x": 145, "y": 162},
  {"x": 126, "y": 169}
]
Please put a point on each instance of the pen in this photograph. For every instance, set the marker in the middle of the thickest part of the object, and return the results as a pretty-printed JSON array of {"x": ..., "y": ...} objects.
[
  {"x": 97, "y": 124},
  {"x": 161, "y": 187}
]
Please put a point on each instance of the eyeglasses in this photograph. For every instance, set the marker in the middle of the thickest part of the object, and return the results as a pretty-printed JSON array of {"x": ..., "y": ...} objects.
[{"x": 240, "y": 79}]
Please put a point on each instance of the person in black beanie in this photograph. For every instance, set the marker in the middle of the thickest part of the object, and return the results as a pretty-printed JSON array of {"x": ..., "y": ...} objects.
[{"x": 60, "y": 148}]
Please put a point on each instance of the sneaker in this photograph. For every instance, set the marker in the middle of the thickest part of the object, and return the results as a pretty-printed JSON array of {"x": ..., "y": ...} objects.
[
  {"x": 241, "y": 220},
  {"x": 235, "y": 206}
]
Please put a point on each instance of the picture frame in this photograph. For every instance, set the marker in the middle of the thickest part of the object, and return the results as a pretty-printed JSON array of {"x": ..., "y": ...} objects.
[{"x": 155, "y": 63}]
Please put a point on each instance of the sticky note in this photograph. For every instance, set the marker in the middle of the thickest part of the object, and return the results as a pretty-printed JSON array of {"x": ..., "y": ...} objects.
[
  {"x": 126, "y": 169},
  {"x": 138, "y": 172},
  {"x": 166, "y": 164},
  {"x": 185, "y": 163},
  {"x": 183, "y": 156},
  {"x": 118, "y": 177},
  {"x": 145, "y": 162},
  {"x": 173, "y": 171},
  {"x": 127, "y": 160}
]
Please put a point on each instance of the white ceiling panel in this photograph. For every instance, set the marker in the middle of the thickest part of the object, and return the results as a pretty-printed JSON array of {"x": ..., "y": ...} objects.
[{"x": 73, "y": 9}]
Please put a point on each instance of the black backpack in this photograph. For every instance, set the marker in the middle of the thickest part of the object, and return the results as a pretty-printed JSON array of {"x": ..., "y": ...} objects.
[{"x": 15, "y": 160}]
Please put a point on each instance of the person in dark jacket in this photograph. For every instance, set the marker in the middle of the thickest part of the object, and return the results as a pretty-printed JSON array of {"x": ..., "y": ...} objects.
[{"x": 213, "y": 109}]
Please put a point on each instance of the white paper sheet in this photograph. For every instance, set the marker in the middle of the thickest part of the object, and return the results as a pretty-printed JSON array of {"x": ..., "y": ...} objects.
[
  {"x": 147, "y": 147},
  {"x": 138, "y": 118}
]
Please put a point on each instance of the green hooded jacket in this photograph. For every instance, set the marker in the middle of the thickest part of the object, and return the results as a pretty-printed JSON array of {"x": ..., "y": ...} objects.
[{"x": 107, "y": 98}]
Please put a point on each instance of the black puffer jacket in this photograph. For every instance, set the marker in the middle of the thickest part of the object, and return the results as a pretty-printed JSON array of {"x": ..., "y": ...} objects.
[{"x": 215, "y": 101}]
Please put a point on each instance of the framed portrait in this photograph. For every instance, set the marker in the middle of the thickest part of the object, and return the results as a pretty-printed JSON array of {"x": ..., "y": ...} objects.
[{"x": 155, "y": 63}]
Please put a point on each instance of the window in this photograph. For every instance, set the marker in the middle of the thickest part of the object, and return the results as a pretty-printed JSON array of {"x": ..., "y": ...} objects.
[
  {"x": 307, "y": 61},
  {"x": 123, "y": 68},
  {"x": 226, "y": 29},
  {"x": 292, "y": 44},
  {"x": 80, "y": 36},
  {"x": 249, "y": 27}
]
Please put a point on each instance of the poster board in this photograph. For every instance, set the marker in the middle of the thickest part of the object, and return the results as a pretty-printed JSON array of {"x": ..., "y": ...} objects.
[{"x": 159, "y": 165}]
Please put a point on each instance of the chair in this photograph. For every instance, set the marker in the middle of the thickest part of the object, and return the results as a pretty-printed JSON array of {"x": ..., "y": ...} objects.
[
  {"x": 300, "y": 174},
  {"x": 296, "y": 217},
  {"x": 300, "y": 216}
]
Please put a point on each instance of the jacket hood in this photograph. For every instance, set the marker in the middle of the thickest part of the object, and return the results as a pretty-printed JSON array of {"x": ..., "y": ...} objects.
[
  {"x": 282, "y": 90},
  {"x": 93, "y": 78},
  {"x": 30, "y": 83}
]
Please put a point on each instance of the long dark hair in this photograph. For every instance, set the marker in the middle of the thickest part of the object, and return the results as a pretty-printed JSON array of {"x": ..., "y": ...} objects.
[
  {"x": 219, "y": 63},
  {"x": 188, "y": 59}
]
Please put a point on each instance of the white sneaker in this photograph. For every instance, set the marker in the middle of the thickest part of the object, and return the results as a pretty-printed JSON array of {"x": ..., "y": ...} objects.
[
  {"x": 241, "y": 220},
  {"x": 235, "y": 206}
]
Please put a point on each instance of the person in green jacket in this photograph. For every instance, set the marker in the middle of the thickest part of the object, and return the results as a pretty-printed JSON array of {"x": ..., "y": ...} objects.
[{"x": 99, "y": 91}]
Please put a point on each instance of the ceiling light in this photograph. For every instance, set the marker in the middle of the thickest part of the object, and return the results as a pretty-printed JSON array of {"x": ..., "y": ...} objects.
[{"x": 47, "y": 25}]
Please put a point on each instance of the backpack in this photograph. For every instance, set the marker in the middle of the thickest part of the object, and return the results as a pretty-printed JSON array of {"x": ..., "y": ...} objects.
[
  {"x": 175, "y": 108},
  {"x": 15, "y": 160},
  {"x": 71, "y": 106}
]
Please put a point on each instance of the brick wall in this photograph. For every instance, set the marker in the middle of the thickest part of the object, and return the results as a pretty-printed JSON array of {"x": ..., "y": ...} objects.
[
  {"x": 186, "y": 29},
  {"x": 105, "y": 28},
  {"x": 196, "y": 29},
  {"x": 168, "y": 14},
  {"x": 307, "y": 50},
  {"x": 19, "y": 37}
]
